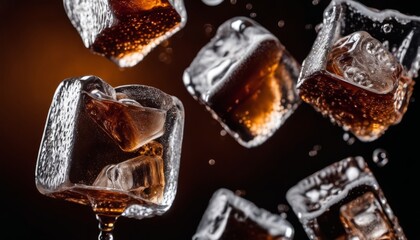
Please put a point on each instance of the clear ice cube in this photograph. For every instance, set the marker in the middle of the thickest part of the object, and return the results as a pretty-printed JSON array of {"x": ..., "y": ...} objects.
[
  {"x": 337, "y": 202},
  {"x": 76, "y": 149},
  {"x": 360, "y": 69},
  {"x": 231, "y": 217},
  {"x": 125, "y": 31},
  {"x": 246, "y": 78}
]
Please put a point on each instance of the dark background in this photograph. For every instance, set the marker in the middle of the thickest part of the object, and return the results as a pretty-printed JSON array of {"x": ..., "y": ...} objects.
[{"x": 39, "y": 48}]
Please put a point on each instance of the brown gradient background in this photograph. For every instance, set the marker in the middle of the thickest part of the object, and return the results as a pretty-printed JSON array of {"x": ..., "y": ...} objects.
[{"x": 39, "y": 48}]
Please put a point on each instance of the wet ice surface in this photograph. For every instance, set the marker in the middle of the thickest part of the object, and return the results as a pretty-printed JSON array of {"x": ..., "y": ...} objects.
[
  {"x": 231, "y": 217},
  {"x": 125, "y": 31},
  {"x": 80, "y": 154},
  {"x": 246, "y": 79},
  {"x": 341, "y": 201},
  {"x": 340, "y": 76},
  {"x": 363, "y": 61}
]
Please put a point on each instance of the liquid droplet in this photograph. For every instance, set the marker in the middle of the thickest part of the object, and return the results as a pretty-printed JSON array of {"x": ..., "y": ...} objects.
[
  {"x": 280, "y": 23},
  {"x": 248, "y": 6},
  {"x": 380, "y": 157},
  {"x": 315, "y": 2},
  {"x": 240, "y": 192},
  {"x": 348, "y": 139},
  {"x": 387, "y": 28},
  {"x": 223, "y": 133},
  {"x": 212, "y": 162},
  {"x": 314, "y": 151},
  {"x": 212, "y": 2}
]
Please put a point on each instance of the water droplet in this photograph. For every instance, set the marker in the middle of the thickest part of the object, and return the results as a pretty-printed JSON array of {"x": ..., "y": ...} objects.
[
  {"x": 248, "y": 6},
  {"x": 308, "y": 26},
  {"x": 348, "y": 139},
  {"x": 380, "y": 157},
  {"x": 282, "y": 208},
  {"x": 223, "y": 133},
  {"x": 208, "y": 29},
  {"x": 387, "y": 28},
  {"x": 253, "y": 15},
  {"x": 315, "y": 150},
  {"x": 280, "y": 23},
  {"x": 212, "y": 2},
  {"x": 315, "y": 2},
  {"x": 233, "y": 2},
  {"x": 212, "y": 162}
]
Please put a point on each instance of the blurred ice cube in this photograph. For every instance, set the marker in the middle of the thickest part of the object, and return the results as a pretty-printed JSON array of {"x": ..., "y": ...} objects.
[
  {"x": 246, "y": 79},
  {"x": 364, "y": 218},
  {"x": 125, "y": 31},
  {"x": 346, "y": 191},
  {"x": 229, "y": 216},
  {"x": 75, "y": 149},
  {"x": 351, "y": 74}
]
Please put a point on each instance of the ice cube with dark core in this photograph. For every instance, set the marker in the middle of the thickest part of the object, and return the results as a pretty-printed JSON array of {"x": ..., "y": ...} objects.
[
  {"x": 360, "y": 70},
  {"x": 246, "y": 79}
]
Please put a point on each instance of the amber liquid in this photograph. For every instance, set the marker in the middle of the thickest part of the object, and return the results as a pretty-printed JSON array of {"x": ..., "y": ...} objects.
[
  {"x": 364, "y": 113},
  {"x": 252, "y": 104},
  {"x": 139, "y": 24}
]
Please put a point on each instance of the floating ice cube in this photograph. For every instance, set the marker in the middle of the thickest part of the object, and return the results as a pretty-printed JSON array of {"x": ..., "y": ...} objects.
[
  {"x": 246, "y": 79},
  {"x": 125, "y": 31},
  {"x": 75, "y": 150},
  {"x": 346, "y": 191},
  {"x": 351, "y": 74},
  {"x": 229, "y": 216}
]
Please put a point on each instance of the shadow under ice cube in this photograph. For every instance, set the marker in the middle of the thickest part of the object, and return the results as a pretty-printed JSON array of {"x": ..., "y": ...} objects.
[
  {"x": 344, "y": 201},
  {"x": 230, "y": 217},
  {"x": 361, "y": 67},
  {"x": 97, "y": 147},
  {"x": 246, "y": 78},
  {"x": 125, "y": 31}
]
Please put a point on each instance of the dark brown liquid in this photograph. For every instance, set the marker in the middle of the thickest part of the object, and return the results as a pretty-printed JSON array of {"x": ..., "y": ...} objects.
[
  {"x": 253, "y": 105},
  {"x": 139, "y": 24},
  {"x": 364, "y": 113}
]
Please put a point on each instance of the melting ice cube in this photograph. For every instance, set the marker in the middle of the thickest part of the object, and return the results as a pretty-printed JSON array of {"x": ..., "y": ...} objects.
[
  {"x": 340, "y": 201},
  {"x": 79, "y": 161},
  {"x": 229, "y": 216},
  {"x": 246, "y": 79},
  {"x": 360, "y": 70},
  {"x": 125, "y": 31}
]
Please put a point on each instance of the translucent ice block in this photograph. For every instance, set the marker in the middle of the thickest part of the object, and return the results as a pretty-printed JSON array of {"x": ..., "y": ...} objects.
[
  {"x": 230, "y": 217},
  {"x": 361, "y": 67},
  {"x": 84, "y": 156},
  {"x": 344, "y": 201},
  {"x": 246, "y": 79},
  {"x": 125, "y": 31}
]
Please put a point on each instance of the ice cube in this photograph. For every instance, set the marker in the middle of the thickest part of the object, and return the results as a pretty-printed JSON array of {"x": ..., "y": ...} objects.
[
  {"x": 229, "y": 216},
  {"x": 327, "y": 200},
  {"x": 125, "y": 31},
  {"x": 124, "y": 120},
  {"x": 361, "y": 67},
  {"x": 363, "y": 218},
  {"x": 75, "y": 150},
  {"x": 246, "y": 78}
]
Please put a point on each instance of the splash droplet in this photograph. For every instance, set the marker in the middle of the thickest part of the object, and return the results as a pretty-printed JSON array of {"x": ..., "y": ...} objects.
[
  {"x": 315, "y": 2},
  {"x": 223, "y": 133},
  {"x": 387, "y": 28},
  {"x": 240, "y": 192},
  {"x": 314, "y": 151},
  {"x": 280, "y": 23},
  {"x": 212, "y": 162},
  {"x": 248, "y": 6},
  {"x": 212, "y": 2},
  {"x": 348, "y": 139},
  {"x": 380, "y": 157}
]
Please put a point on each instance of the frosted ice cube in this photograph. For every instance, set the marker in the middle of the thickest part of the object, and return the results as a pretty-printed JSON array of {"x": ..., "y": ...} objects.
[
  {"x": 229, "y": 216},
  {"x": 246, "y": 79},
  {"x": 323, "y": 199},
  {"x": 75, "y": 149},
  {"x": 125, "y": 31},
  {"x": 341, "y": 84}
]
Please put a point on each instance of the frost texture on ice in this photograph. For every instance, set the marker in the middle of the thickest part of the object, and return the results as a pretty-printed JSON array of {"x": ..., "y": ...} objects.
[
  {"x": 224, "y": 203},
  {"x": 75, "y": 150},
  {"x": 314, "y": 197},
  {"x": 125, "y": 31},
  {"x": 246, "y": 79},
  {"x": 399, "y": 32}
]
